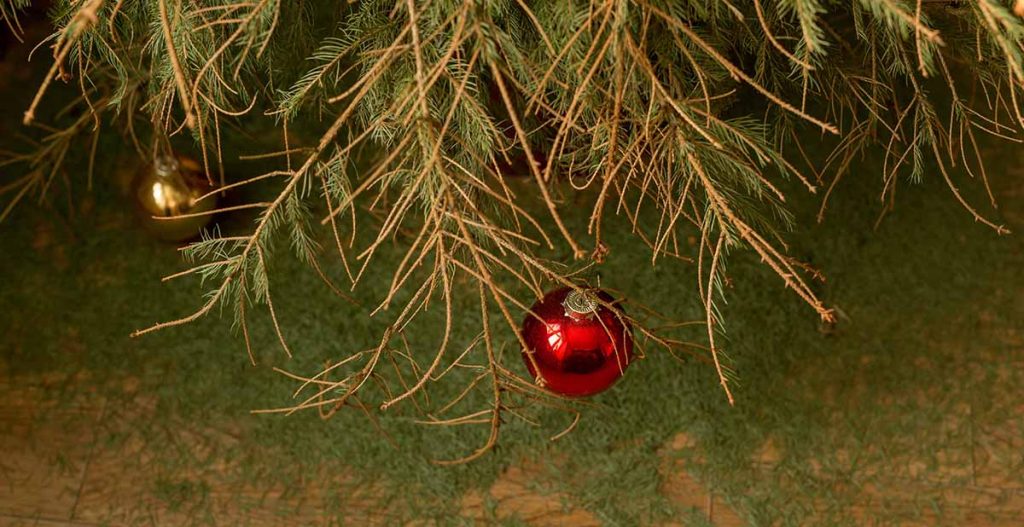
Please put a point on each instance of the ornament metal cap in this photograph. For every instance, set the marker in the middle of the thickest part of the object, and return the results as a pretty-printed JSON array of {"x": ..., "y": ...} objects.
[
  {"x": 579, "y": 304},
  {"x": 166, "y": 165}
]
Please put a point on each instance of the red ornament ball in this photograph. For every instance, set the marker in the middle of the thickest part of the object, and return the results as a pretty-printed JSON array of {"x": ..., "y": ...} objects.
[{"x": 578, "y": 346}]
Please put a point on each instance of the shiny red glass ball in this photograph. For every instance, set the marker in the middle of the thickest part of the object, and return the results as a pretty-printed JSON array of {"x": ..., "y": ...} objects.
[{"x": 578, "y": 346}]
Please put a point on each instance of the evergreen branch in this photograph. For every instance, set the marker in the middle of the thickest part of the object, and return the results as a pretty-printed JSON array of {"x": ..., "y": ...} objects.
[
  {"x": 85, "y": 18},
  {"x": 191, "y": 318},
  {"x": 772, "y": 257},
  {"x": 9, "y": 13},
  {"x": 446, "y": 293},
  {"x": 737, "y": 72},
  {"x": 179, "y": 74},
  {"x": 774, "y": 42},
  {"x": 1000, "y": 229},
  {"x": 711, "y": 318},
  {"x": 807, "y": 13},
  {"x": 532, "y": 161},
  {"x": 894, "y": 14}
]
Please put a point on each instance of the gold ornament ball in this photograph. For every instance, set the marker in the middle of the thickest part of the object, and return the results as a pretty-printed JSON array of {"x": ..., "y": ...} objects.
[{"x": 168, "y": 195}]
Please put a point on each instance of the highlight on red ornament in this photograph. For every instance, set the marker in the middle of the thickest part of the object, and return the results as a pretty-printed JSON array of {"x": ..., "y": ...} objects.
[{"x": 577, "y": 346}]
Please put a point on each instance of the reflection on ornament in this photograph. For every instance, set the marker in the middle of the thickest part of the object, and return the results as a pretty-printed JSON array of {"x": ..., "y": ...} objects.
[
  {"x": 168, "y": 194},
  {"x": 576, "y": 345}
]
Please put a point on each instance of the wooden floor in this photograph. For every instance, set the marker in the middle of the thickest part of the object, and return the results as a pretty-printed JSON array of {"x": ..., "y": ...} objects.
[
  {"x": 83, "y": 462},
  {"x": 59, "y": 468}
]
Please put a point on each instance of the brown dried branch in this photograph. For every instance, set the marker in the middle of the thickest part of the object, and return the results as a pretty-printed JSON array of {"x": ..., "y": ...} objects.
[{"x": 85, "y": 18}]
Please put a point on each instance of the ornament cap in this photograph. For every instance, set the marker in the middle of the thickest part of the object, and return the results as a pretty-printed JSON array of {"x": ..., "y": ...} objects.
[
  {"x": 166, "y": 165},
  {"x": 580, "y": 303}
]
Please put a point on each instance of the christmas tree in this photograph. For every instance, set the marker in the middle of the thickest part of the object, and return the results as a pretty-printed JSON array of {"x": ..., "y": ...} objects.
[{"x": 495, "y": 142}]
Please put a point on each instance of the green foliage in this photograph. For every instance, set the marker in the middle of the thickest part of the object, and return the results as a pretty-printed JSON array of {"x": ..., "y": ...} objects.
[{"x": 9, "y": 10}]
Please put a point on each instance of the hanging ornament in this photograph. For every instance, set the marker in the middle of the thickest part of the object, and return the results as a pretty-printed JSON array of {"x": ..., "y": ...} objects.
[
  {"x": 168, "y": 193},
  {"x": 576, "y": 345}
]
